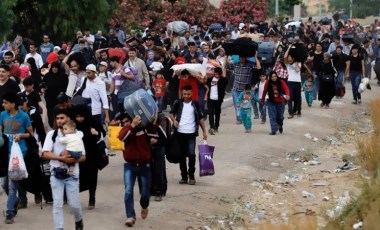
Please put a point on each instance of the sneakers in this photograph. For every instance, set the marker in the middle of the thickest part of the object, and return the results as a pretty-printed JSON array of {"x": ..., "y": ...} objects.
[
  {"x": 192, "y": 180},
  {"x": 211, "y": 131},
  {"x": 144, "y": 213},
  {"x": 79, "y": 225},
  {"x": 272, "y": 133},
  {"x": 9, "y": 219},
  {"x": 130, "y": 222},
  {"x": 183, "y": 181}
]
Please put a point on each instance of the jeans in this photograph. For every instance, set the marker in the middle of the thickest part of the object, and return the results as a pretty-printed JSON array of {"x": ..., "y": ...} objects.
[
  {"x": 160, "y": 103},
  {"x": 187, "y": 143},
  {"x": 339, "y": 79},
  {"x": 71, "y": 184},
  {"x": 201, "y": 99},
  {"x": 235, "y": 96},
  {"x": 214, "y": 111},
  {"x": 316, "y": 84},
  {"x": 309, "y": 96},
  {"x": 294, "y": 103},
  {"x": 355, "y": 78},
  {"x": 276, "y": 115},
  {"x": 263, "y": 111},
  {"x": 143, "y": 175},
  {"x": 246, "y": 117}
]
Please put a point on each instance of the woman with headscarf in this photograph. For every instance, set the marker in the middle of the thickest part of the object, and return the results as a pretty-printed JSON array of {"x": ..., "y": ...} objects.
[
  {"x": 55, "y": 82},
  {"x": 172, "y": 89},
  {"x": 92, "y": 132},
  {"x": 35, "y": 73},
  {"x": 326, "y": 77},
  {"x": 278, "y": 94}
]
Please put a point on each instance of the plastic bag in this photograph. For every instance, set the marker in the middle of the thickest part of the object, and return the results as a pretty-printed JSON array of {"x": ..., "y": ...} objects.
[
  {"x": 113, "y": 140},
  {"x": 180, "y": 27},
  {"x": 17, "y": 169},
  {"x": 363, "y": 85},
  {"x": 206, "y": 164}
]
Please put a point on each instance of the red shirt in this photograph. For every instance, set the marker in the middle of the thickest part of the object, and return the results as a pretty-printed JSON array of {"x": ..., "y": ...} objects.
[
  {"x": 15, "y": 71},
  {"x": 194, "y": 84},
  {"x": 159, "y": 86}
]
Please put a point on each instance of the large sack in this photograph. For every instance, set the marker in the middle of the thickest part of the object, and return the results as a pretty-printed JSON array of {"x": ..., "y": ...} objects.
[
  {"x": 243, "y": 47},
  {"x": 142, "y": 104},
  {"x": 180, "y": 27},
  {"x": 348, "y": 37},
  {"x": 254, "y": 37},
  {"x": 194, "y": 69}
]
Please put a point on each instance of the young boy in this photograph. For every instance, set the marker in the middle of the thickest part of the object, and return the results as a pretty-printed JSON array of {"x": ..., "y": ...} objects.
[
  {"x": 308, "y": 88},
  {"x": 159, "y": 86},
  {"x": 105, "y": 75},
  {"x": 245, "y": 100},
  {"x": 73, "y": 143},
  {"x": 259, "y": 88}
]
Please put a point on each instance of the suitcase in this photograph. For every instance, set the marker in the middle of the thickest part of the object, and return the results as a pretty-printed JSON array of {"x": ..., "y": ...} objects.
[
  {"x": 142, "y": 104},
  {"x": 243, "y": 47}
]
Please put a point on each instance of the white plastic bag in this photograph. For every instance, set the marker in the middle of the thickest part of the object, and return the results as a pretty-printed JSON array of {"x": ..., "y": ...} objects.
[
  {"x": 180, "y": 27},
  {"x": 17, "y": 168},
  {"x": 363, "y": 85}
]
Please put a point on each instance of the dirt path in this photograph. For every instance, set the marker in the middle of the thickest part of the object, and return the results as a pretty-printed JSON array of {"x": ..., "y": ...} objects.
[{"x": 243, "y": 162}]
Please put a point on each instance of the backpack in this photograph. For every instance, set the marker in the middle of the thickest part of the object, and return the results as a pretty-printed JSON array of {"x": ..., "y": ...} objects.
[
  {"x": 166, "y": 124},
  {"x": 89, "y": 56}
]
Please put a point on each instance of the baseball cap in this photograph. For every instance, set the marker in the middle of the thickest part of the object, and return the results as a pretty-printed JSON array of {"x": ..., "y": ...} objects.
[
  {"x": 91, "y": 67},
  {"x": 103, "y": 63},
  {"x": 203, "y": 43}
]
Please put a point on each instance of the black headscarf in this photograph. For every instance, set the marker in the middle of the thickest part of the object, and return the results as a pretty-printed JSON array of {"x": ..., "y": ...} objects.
[{"x": 274, "y": 84}]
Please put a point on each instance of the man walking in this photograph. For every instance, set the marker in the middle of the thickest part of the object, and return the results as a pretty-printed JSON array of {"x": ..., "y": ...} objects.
[
  {"x": 60, "y": 180},
  {"x": 187, "y": 117}
]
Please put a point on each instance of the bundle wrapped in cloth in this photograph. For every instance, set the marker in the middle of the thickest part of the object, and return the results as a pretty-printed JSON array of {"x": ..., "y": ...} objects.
[
  {"x": 194, "y": 69},
  {"x": 244, "y": 47}
]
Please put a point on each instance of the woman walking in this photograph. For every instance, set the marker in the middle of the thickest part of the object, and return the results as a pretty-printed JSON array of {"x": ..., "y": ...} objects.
[
  {"x": 278, "y": 93},
  {"x": 326, "y": 76},
  {"x": 355, "y": 71}
]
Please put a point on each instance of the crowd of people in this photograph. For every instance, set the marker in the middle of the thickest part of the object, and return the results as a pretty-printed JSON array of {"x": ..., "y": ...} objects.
[{"x": 63, "y": 97}]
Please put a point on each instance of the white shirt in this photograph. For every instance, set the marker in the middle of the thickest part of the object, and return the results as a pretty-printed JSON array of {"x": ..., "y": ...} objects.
[
  {"x": 37, "y": 57},
  {"x": 73, "y": 141},
  {"x": 57, "y": 148},
  {"x": 156, "y": 66},
  {"x": 75, "y": 82},
  {"x": 90, "y": 38},
  {"x": 187, "y": 122},
  {"x": 261, "y": 90},
  {"x": 294, "y": 75},
  {"x": 214, "y": 89},
  {"x": 235, "y": 35},
  {"x": 96, "y": 90}
]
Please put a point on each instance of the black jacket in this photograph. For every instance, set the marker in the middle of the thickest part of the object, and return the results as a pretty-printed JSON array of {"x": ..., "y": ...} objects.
[{"x": 222, "y": 83}]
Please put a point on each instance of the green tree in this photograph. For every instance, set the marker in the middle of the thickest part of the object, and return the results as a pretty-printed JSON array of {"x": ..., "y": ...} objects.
[
  {"x": 60, "y": 18},
  {"x": 360, "y": 8},
  {"x": 7, "y": 17}
]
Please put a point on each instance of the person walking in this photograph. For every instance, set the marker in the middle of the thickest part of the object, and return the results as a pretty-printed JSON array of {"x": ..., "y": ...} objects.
[
  {"x": 326, "y": 76},
  {"x": 355, "y": 71}
]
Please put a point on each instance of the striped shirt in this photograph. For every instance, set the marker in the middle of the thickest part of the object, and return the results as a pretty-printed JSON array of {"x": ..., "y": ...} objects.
[{"x": 118, "y": 78}]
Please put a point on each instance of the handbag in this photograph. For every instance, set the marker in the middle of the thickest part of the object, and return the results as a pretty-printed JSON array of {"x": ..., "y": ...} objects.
[
  {"x": 327, "y": 77},
  {"x": 113, "y": 140},
  {"x": 206, "y": 164},
  {"x": 78, "y": 99},
  {"x": 103, "y": 159}
]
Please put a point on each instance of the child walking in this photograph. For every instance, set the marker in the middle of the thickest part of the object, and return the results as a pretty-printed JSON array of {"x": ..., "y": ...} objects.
[
  {"x": 73, "y": 142},
  {"x": 245, "y": 100},
  {"x": 159, "y": 86},
  {"x": 259, "y": 88},
  {"x": 308, "y": 88}
]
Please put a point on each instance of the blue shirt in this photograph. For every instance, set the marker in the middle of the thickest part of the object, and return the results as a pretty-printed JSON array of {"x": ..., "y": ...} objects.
[
  {"x": 16, "y": 124},
  {"x": 45, "y": 50}
]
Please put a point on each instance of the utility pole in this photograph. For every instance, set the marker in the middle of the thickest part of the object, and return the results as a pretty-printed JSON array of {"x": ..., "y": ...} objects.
[
  {"x": 320, "y": 8},
  {"x": 350, "y": 8},
  {"x": 276, "y": 9}
]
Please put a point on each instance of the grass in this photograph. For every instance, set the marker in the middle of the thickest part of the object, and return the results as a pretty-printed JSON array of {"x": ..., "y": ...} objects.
[{"x": 366, "y": 207}]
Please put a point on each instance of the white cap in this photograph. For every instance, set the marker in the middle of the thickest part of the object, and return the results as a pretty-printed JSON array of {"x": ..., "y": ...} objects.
[
  {"x": 103, "y": 63},
  {"x": 57, "y": 48},
  {"x": 203, "y": 43},
  {"x": 241, "y": 25},
  {"x": 91, "y": 67}
]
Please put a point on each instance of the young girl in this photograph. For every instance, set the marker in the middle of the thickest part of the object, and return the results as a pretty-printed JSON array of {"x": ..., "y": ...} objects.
[
  {"x": 308, "y": 88},
  {"x": 159, "y": 86},
  {"x": 245, "y": 100}
]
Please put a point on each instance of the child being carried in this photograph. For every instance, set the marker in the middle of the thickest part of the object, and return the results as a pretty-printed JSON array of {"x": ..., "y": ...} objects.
[{"x": 73, "y": 143}]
